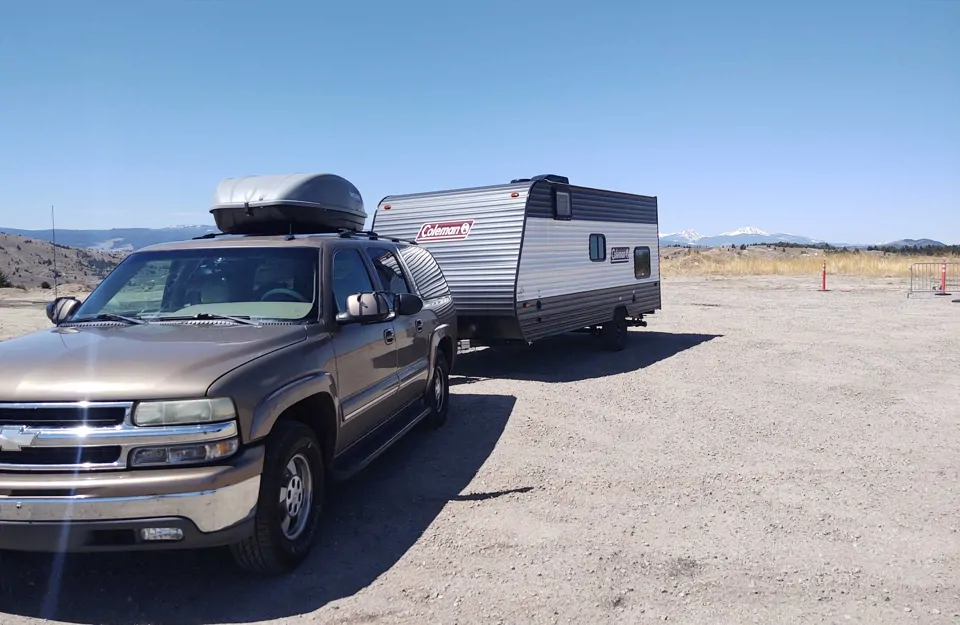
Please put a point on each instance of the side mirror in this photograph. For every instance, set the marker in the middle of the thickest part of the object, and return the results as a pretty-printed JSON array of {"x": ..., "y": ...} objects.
[
  {"x": 365, "y": 308},
  {"x": 408, "y": 304},
  {"x": 61, "y": 309}
]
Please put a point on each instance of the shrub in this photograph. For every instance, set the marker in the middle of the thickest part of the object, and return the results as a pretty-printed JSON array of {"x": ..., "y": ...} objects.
[
  {"x": 44, "y": 285},
  {"x": 4, "y": 281}
]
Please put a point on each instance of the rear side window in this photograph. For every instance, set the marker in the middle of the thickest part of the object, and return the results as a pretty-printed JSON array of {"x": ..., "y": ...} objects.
[
  {"x": 641, "y": 262},
  {"x": 426, "y": 273},
  {"x": 388, "y": 268},
  {"x": 598, "y": 248}
]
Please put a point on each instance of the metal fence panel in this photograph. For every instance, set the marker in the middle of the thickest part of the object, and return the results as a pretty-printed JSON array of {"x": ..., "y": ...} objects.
[{"x": 934, "y": 278}]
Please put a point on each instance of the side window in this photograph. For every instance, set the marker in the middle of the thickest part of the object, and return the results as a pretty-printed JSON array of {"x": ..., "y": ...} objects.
[
  {"x": 425, "y": 271},
  {"x": 641, "y": 262},
  {"x": 598, "y": 248},
  {"x": 388, "y": 268},
  {"x": 562, "y": 207},
  {"x": 349, "y": 276}
]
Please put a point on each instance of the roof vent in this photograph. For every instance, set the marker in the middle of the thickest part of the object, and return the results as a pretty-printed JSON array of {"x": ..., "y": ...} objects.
[
  {"x": 288, "y": 204},
  {"x": 548, "y": 177}
]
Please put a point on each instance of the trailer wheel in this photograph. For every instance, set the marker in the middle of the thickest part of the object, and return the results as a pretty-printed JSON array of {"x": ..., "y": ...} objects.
[{"x": 615, "y": 333}]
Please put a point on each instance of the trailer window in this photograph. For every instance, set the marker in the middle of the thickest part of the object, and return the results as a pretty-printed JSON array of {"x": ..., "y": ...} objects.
[
  {"x": 598, "y": 248},
  {"x": 641, "y": 262},
  {"x": 562, "y": 207}
]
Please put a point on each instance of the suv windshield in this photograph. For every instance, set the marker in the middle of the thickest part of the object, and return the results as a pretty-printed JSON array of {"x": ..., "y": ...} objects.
[{"x": 247, "y": 282}]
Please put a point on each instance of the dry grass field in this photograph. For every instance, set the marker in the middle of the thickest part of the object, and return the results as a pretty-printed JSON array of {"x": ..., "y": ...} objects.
[
  {"x": 761, "y": 453},
  {"x": 769, "y": 261}
]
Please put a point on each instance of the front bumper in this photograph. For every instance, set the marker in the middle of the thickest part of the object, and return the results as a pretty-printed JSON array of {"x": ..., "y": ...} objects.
[{"x": 211, "y": 505}]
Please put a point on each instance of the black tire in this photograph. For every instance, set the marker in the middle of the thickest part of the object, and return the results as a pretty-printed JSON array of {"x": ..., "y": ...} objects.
[
  {"x": 438, "y": 393},
  {"x": 268, "y": 550},
  {"x": 615, "y": 333}
]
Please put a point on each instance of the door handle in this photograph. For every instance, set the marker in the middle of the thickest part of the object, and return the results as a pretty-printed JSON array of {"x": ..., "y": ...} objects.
[
  {"x": 419, "y": 325},
  {"x": 388, "y": 337}
]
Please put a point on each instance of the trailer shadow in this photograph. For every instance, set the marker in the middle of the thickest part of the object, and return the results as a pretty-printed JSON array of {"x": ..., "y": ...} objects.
[
  {"x": 372, "y": 520},
  {"x": 573, "y": 357}
]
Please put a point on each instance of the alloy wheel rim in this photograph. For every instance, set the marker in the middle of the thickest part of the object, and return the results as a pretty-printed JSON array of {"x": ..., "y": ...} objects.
[
  {"x": 296, "y": 497},
  {"x": 438, "y": 389}
]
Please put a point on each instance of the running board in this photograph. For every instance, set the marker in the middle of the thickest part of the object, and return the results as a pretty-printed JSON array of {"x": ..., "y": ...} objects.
[{"x": 367, "y": 449}]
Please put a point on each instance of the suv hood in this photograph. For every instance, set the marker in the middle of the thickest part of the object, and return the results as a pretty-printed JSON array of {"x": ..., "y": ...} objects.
[{"x": 118, "y": 363}]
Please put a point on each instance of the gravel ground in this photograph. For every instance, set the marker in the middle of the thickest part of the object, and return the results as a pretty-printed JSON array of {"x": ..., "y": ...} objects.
[{"x": 762, "y": 452}]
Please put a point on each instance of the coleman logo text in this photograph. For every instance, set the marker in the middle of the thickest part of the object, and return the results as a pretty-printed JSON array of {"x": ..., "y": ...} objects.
[
  {"x": 445, "y": 230},
  {"x": 619, "y": 254}
]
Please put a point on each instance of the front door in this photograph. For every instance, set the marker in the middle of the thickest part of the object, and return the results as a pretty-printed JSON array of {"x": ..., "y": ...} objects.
[
  {"x": 366, "y": 354},
  {"x": 413, "y": 349}
]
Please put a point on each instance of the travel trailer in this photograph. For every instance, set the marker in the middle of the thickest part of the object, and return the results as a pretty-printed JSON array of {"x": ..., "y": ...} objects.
[{"x": 536, "y": 257}]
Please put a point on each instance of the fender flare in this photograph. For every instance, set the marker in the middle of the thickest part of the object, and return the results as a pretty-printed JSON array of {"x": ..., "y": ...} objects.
[
  {"x": 441, "y": 332},
  {"x": 270, "y": 408}
]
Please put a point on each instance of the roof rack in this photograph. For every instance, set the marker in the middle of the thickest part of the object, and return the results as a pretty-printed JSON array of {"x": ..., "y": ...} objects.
[
  {"x": 370, "y": 234},
  {"x": 211, "y": 235}
]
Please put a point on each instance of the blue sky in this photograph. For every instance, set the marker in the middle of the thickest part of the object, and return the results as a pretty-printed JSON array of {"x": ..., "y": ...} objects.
[{"x": 839, "y": 120}]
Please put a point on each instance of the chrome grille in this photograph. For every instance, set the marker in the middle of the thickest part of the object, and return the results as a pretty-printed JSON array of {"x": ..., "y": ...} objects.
[
  {"x": 63, "y": 415},
  {"x": 86, "y": 436}
]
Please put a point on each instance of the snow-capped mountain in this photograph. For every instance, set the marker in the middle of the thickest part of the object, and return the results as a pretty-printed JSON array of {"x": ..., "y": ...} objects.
[
  {"x": 745, "y": 230},
  {"x": 748, "y": 235},
  {"x": 689, "y": 237}
]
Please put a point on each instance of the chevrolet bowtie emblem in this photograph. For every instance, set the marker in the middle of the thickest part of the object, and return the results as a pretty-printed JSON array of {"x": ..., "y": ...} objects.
[{"x": 15, "y": 439}]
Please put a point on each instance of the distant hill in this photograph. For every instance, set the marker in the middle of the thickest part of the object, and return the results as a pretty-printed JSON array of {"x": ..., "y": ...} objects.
[
  {"x": 29, "y": 262},
  {"x": 914, "y": 243},
  {"x": 117, "y": 239},
  {"x": 748, "y": 235}
]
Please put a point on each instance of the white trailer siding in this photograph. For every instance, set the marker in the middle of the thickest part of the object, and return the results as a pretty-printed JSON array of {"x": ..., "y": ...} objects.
[
  {"x": 481, "y": 270},
  {"x": 559, "y": 288},
  {"x": 555, "y": 258},
  {"x": 524, "y": 272}
]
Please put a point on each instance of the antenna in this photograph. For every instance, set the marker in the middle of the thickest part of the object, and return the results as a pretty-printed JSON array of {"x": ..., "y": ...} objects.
[{"x": 53, "y": 224}]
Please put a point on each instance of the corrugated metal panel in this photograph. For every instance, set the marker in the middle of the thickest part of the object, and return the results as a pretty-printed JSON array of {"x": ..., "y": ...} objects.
[
  {"x": 565, "y": 313},
  {"x": 555, "y": 259},
  {"x": 429, "y": 278},
  {"x": 480, "y": 270},
  {"x": 594, "y": 204}
]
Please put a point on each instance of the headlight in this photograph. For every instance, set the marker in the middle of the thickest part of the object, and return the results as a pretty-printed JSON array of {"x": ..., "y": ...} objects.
[
  {"x": 174, "y": 455},
  {"x": 185, "y": 412}
]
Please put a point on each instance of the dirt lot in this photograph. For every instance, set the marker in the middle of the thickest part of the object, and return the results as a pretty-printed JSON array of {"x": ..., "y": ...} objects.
[{"x": 763, "y": 452}]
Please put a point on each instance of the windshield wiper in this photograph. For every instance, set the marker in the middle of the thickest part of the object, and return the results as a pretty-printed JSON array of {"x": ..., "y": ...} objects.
[
  {"x": 209, "y": 315},
  {"x": 109, "y": 317}
]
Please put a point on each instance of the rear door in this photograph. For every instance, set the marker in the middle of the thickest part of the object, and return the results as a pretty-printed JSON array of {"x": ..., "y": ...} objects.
[
  {"x": 413, "y": 337},
  {"x": 366, "y": 353}
]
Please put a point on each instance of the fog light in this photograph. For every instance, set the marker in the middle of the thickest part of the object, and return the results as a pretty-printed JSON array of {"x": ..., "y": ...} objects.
[
  {"x": 183, "y": 454},
  {"x": 155, "y": 534}
]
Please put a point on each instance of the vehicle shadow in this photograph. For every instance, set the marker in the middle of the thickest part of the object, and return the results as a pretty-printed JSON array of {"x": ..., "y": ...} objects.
[
  {"x": 372, "y": 520},
  {"x": 574, "y": 357}
]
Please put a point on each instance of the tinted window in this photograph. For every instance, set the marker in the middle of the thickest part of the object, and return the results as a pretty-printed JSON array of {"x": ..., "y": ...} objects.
[
  {"x": 598, "y": 247},
  {"x": 563, "y": 204},
  {"x": 269, "y": 283},
  {"x": 426, "y": 273},
  {"x": 349, "y": 276},
  {"x": 641, "y": 262},
  {"x": 388, "y": 268}
]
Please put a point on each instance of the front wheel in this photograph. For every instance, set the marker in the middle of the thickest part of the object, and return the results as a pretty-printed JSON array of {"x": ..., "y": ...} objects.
[
  {"x": 438, "y": 394},
  {"x": 290, "y": 503}
]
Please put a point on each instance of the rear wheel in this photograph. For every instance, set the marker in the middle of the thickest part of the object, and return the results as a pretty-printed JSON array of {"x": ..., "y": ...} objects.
[
  {"x": 615, "y": 333},
  {"x": 438, "y": 394},
  {"x": 290, "y": 503}
]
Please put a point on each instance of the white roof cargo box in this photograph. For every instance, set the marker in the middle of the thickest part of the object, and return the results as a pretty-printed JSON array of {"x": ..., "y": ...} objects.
[{"x": 288, "y": 204}]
